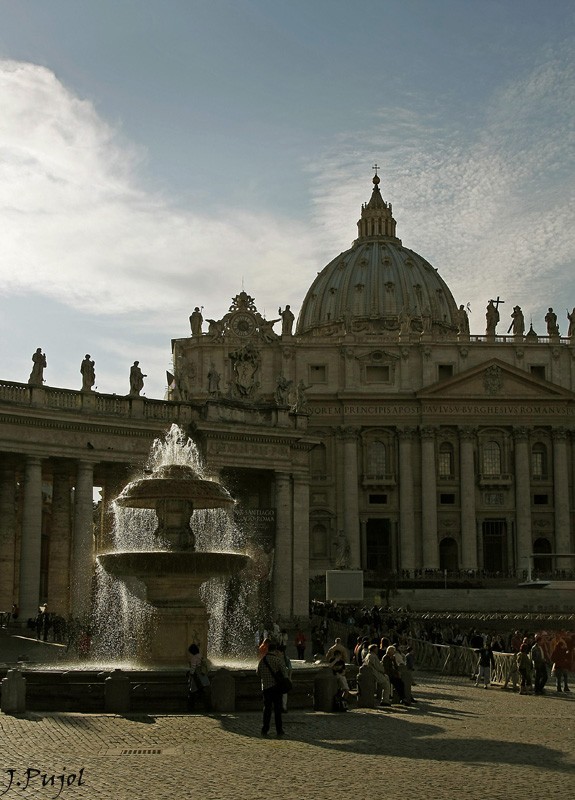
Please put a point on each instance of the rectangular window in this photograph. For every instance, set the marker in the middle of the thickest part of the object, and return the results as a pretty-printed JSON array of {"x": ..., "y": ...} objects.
[
  {"x": 444, "y": 371},
  {"x": 538, "y": 371},
  {"x": 377, "y": 373},
  {"x": 447, "y": 499},
  {"x": 540, "y": 499},
  {"x": 378, "y": 499},
  {"x": 318, "y": 373}
]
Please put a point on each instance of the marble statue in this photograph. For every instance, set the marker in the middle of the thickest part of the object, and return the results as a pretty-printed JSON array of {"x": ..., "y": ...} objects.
[
  {"x": 571, "y": 318},
  {"x": 136, "y": 379},
  {"x": 213, "y": 380},
  {"x": 342, "y": 551},
  {"x": 287, "y": 318},
  {"x": 551, "y": 320},
  {"x": 196, "y": 320},
  {"x": 88, "y": 372},
  {"x": 39, "y": 365},
  {"x": 462, "y": 321},
  {"x": 301, "y": 405},
  {"x": 491, "y": 318},
  {"x": 517, "y": 322},
  {"x": 283, "y": 386}
]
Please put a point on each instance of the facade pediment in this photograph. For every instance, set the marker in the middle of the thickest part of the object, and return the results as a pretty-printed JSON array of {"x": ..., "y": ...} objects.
[{"x": 495, "y": 379}]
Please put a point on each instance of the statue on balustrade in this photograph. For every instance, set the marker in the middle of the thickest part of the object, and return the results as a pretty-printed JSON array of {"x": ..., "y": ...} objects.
[
  {"x": 571, "y": 318},
  {"x": 136, "y": 379},
  {"x": 88, "y": 372},
  {"x": 551, "y": 320},
  {"x": 39, "y": 365},
  {"x": 287, "y": 318},
  {"x": 517, "y": 322},
  {"x": 491, "y": 318},
  {"x": 196, "y": 320},
  {"x": 462, "y": 321}
]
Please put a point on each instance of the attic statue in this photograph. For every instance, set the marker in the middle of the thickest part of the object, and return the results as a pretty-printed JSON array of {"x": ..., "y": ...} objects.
[
  {"x": 196, "y": 320},
  {"x": 39, "y": 364},
  {"x": 491, "y": 318},
  {"x": 287, "y": 318},
  {"x": 88, "y": 372},
  {"x": 136, "y": 379}
]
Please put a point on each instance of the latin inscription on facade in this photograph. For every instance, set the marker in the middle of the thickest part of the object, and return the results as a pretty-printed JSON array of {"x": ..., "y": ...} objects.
[{"x": 466, "y": 409}]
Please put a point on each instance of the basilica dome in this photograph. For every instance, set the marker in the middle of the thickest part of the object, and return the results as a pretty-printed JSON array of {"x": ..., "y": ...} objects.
[{"x": 378, "y": 285}]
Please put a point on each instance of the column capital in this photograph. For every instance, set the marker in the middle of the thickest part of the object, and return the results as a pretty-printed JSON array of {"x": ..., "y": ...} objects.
[
  {"x": 428, "y": 431},
  {"x": 348, "y": 432},
  {"x": 406, "y": 433},
  {"x": 282, "y": 477},
  {"x": 520, "y": 433},
  {"x": 467, "y": 433},
  {"x": 559, "y": 434}
]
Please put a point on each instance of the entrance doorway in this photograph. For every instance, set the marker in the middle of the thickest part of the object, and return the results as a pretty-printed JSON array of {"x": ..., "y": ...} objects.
[
  {"x": 495, "y": 545},
  {"x": 379, "y": 546}
]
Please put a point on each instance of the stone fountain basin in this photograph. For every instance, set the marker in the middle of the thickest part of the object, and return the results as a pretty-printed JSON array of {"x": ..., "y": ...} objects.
[
  {"x": 199, "y": 566},
  {"x": 173, "y": 577}
]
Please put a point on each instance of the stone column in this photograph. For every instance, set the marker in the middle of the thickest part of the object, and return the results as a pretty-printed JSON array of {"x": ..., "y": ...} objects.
[
  {"x": 350, "y": 495},
  {"x": 429, "y": 499},
  {"x": 31, "y": 541},
  {"x": 561, "y": 498},
  {"x": 60, "y": 542},
  {"x": 300, "y": 603},
  {"x": 82, "y": 571},
  {"x": 7, "y": 536},
  {"x": 406, "y": 501},
  {"x": 468, "y": 557},
  {"x": 283, "y": 553},
  {"x": 522, "y": 499}
]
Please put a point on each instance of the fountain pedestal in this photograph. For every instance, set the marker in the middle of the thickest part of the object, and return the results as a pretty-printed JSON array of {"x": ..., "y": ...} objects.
[{"x": 173, "y": 579}]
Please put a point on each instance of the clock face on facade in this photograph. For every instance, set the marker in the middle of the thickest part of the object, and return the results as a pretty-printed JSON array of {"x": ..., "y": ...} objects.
[{"x": 243, "y": 324}]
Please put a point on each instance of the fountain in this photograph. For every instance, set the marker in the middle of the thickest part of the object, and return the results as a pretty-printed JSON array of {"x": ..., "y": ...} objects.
[{"x": 174, "y": 570}]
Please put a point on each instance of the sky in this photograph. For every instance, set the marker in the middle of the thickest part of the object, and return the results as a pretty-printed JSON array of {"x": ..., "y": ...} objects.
[{"x": 157, "y": 155}]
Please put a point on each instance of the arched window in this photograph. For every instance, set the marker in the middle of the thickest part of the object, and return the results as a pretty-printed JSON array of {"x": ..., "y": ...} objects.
[
  {"x": 539, "y": 461},
  {"x": 446, "y": 460},
  {"x": 491, "y": 458},
  {"x": 376, "y": 459},
  {"x": 319, "y": 541},
  {"x": 318, "y": 460}
]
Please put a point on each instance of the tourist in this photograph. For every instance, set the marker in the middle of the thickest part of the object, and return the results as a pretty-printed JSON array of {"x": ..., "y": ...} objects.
[
  {"x": 524, "y": 666},
  {"x": 300, "y": 643},
  {"x": 561, "y": 662},
  {"x": 283, "y": 654},
  {"x": 390, "y": 666},
  {"x": 539, "y": 666},
  {"x": 485, "y": 663},
  {"x": 381, "y": 677},
  {"x": 268, "y": 666},
  {"x": 198, "y": 679},
  {"x": 338, "y": 648},
  {"x": 264, "y": 647}
]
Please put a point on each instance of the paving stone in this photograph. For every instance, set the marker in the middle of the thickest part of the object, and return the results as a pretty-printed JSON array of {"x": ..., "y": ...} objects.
[{"x": 457, "y": 741}]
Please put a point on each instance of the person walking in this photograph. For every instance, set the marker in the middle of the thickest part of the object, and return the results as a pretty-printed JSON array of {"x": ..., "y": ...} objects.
[
  {"x": 268, "y": 666},
  {"x": 485, "y": 664},
  {"x": 539, "y": 666},
  {"x": 560, "y": 659}
]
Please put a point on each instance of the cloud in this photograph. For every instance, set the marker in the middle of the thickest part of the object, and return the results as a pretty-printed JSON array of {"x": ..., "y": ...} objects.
[
  {"x": 488, "y": 200},
  {"x": 79, "y": 228}
]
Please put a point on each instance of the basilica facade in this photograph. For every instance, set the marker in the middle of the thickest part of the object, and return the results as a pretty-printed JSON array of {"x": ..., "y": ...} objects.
[{"x": 375, "y": 432}]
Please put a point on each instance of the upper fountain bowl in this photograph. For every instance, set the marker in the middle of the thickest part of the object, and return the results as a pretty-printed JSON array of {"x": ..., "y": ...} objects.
[{"x": 174, "y": 482}]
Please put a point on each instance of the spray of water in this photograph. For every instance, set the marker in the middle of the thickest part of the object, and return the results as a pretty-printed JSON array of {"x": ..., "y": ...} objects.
[{"x": 123, "y": 620}]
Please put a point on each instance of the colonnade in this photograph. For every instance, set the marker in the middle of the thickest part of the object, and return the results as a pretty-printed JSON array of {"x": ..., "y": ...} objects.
[{"x": 71, "y": 538}]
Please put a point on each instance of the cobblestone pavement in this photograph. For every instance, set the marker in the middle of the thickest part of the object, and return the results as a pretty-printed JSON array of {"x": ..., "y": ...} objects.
[{"x": 458, "y": 741}]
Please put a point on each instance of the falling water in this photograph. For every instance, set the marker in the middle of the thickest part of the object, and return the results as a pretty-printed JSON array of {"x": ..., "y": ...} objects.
[{"x": 122, "y": 616}]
